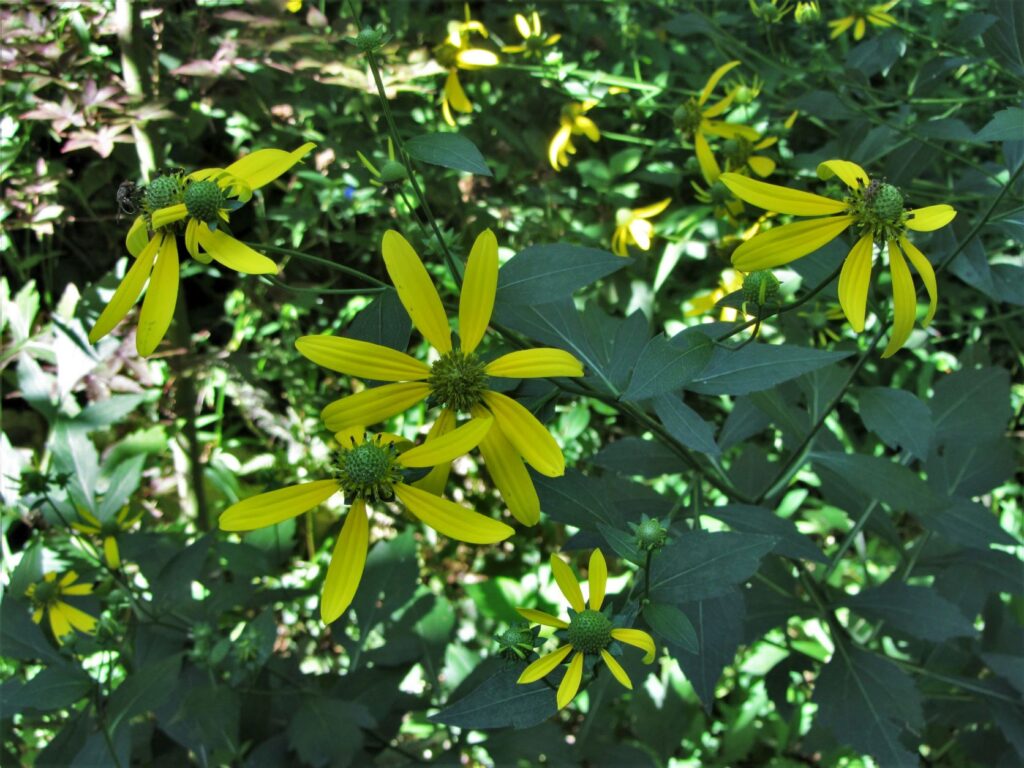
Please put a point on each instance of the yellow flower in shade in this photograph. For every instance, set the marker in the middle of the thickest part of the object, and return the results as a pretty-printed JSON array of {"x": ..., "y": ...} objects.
[
  {"x": 108, "y": 530},
  {"x": 695, "y": 119},
  {"x": 632, "y": 227},
  {"x": 730, "y": 282},
  {"x": 534, "y": 40},
  {"x": 807, "y": 12},
  {"x": 455, "y": 53},
  {"x": 47, "y": 598},
  {"x": 574, "y": 122},
  {"x": 367, "y": 470},
  {"x": 875, "y": 15},
  {"x": 204, "y": 199},
  {"x": 587, "y": 632},
  {"x": 458, "y": 380},
  {"x": 875, "y": 209}
]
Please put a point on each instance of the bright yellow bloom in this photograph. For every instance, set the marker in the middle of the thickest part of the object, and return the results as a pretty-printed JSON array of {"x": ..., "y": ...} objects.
[
  {"x": 730, "y": 282},
  {"x": 534, "y": 40},
  {"x": 46, "y": 596},
  {"x": 109, "y": 530},
  {"x": 458, "y": 380},
  {"x": 455, "y": 53},
  {"x": 633, "y": 228},
  {"x": 204, "y": 198},
  {"x": 369, "y": 469},
  {"x": 293, "y": 6},
  {"x": 875, "y": 15},
  {"x": 588, "y": 631},
  {"x": 695, "y": 119},
  {"x": 876, "y": 210},
  {"x": 574, "y": 122}
]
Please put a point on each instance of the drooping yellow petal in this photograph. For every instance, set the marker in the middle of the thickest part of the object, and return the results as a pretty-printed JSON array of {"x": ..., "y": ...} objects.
[
  {"x": 77, "y": 589},
  {"x": 437, "y": 478},
  {"x": 450, "y": 519},
  {"x": 566, "y": 581},
  {"x": 59, "y": 622},
  {"x": 347, "y": 561},
  {"x": 137, "y": 238},
  {"x": 540, "y": 617},
  {"x": 535, "y": 364},
  {"x": 719, "y": 108},
  {"x": 557, "y": 147},
  {"x": 415, "y": 289},
  {"x": 111, "y": 553},
  {"x": 263, "y": 166},
  {"x": 234, "y": 254},
  {"x": 447, "y": 447},
  {"x": 717, "y": 75},
  {"x": 617, "y": 670},
  {"x": 479, "y": 286},
  {"x": 162, "y": 295},
  {"x": 127, "y": 292},
  {"x": 854, "y": 280},
  {"x": 620, "y": 243},
  {"x": 523, "y": 26},
  {"x": 543, "y": 666},
  {"x": 772, "y": 197},
  {"x": 361, "y": 358},
  {"x": 781, "y": 245},
  {"x": 904, "y": 301},
  {"x": 839, "y": 26},
  {"x": 597, "y": 577},
  {"x": 859, "y": 29},
  {"x": 476, "y": 58},
  {"x": 851, "y": 174},
  {"x": 276, "y": 506},
  {"x": 509, "y": 475},
  {"x": 162, "y": 217},
  {"x": 373, "y": 405},
  {"x": 652, "y": 210},
  {"x": 90, "y": 518},
  {"x": 761, "y": 165},
  {"x": 927, "y": 273},
  {"x": 930, "y": 218},
  {"x": 192, "y": 239},
  {"x": 570, "y": 684},
  {"x": 709, "y": 167},
  {"x": 533, "y": 441},
  {"x": 80, "y": 620},
  {"x": 455, "y": 95},
  {"x": 641, "y": 231},
  {"x": 588, "y": 128},
  {"x": 726, "y": 130},
  {"x": 637, "y": 638}
]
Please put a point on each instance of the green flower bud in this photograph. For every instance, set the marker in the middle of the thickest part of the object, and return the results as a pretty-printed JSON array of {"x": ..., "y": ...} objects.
[
  {"x": 761, "y": 288},
  {"x": 393, "y": 171},
  {"x": 650, "y": 535}
]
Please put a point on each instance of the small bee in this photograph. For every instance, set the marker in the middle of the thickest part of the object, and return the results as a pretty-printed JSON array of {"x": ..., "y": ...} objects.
[{"x": 129, "y": 198}]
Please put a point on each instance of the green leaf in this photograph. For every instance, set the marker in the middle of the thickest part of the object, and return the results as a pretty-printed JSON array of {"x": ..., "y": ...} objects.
[
  {"x": 636, "y": 456},
  {"x": 622, "y": 543},
  {"x": 1005, "y": 39},
  {"x": 672, "y": 625},
  {"x": 874, "y": 477},
  {"x": 698, "y": 565},
  {"x": 55, "y": 687},
  {"x": 22, "y": 638},
  {"x": 972, "y": 404},
  {"x": 324, "y": 731},
  {"x": 749, "y": 519},
  {"x": 124, "y": 481},
  {"x": 107, "y": 412},
  {"x": 542, "y": 274},
  {"x": 144, "y": 690},
  {"x": 967, "y": 523},
  {"x": 972, "y": 467},
  {"x": 449, "y": 150},
  {"x": 73, "y": 452},
  {"x": 1006, "y": 125},
  {"x": 866, "y": 701},
  {"x": 383, "y": 322},
  {"x": 668, "y": 365},
  {"x": 389, "y": 580},
  {"x": 718, "y": 623},
  {"x": 917, "y": 611},
  {"x": 499, "y": 702},
  {"x": 758, "y": 366},
  {"x": 583, "y": 501},
  {"x": 898, "y": 417}
]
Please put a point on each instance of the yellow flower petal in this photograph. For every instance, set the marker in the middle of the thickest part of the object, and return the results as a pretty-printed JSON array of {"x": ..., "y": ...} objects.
[
  {"x": 535, "y": 364},
  {"x": 138, "y": 237},
  {"x": 77, "y": 589},
  {"x": 347, "y": 561},
  {"x": 927, "y": 273},
  {"x": 641, "y": 231},
  {"x": 276, "y": 506},
  {"x": 859, "y": 29},
  {"x": 59, "y": 622},
  {"x": 448, "y": 447},
  {"x": 762, "y": 166},
  {"x": 772, "y": 197},
  {"x": 509, "y": 475},
  {"x": 437, "y": 478},
  {"x": 588, "y": 128},
  {"x": 638, "y": 639},
  {"x": 904, "y": 301},
  {"x": 263, "y": 166},
  {"x": 620, "y": 244},
  {"x": 169, "y": 215},
  {"x": 234, "y": 254},
  {"x": 543, "y": 666},
  {"x": 570, "y": 684},
  {"x": 717, "y": 75},
  {"x": 617, "y": 670},
  {"x": 455, "y": 95},
  {"x": 373, "y": 405},
  {"x": 540, "y": 617},
  {"x": 361, "y": 358},
  {"x": 854, "y": 280},
  {"x": 416, "y": 291},
  {"x": 523, "y": 26},
  {"x": 80, "y": 620},
  {"x": 534, "y": 443},
  {"x": 839, "y": 26},
  {"x": 709, "y": 167},
  {"x": 726, "y": 130},
  {"x": 781, "y": 245},
  {"x": 476, "y": 58},
  {"x": 448, "y": 518},
  {"x": 652, "y": 210},
  {"x": 851, "y": 174},
  {"x": 557, "y": 147},
  {"x": 162, "y": 295},
  {"x": 597, "y": 577},
  {"x": 566, "y": 581},
  {"x": 479, "y": 285},
  {"x": 930, "y": 218},
  {"x": 127, "y": 292},
  {"x": 111, "y": 552},
  {"x": 192, "y": 239}
]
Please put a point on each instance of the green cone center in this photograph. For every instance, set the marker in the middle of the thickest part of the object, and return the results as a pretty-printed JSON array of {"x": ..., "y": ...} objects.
[
  {"x": 46, "y": 592},
  {"x": 887, "y": 203},
  {"x": 650, "y": 534},
  {"x": 457, "y": 380},
  {"x": 204, "y": 199},
  {"x": 688, "y": 117},
  {"x": 589, "y": 631},
  {"x": 369, "y": 470},
  {"x": 162, "y": 192}
]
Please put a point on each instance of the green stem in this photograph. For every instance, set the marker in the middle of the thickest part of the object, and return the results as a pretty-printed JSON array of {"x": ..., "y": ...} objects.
[
  {"x": 186, "y": 402},
  {"x": 321, "y": 261}
]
